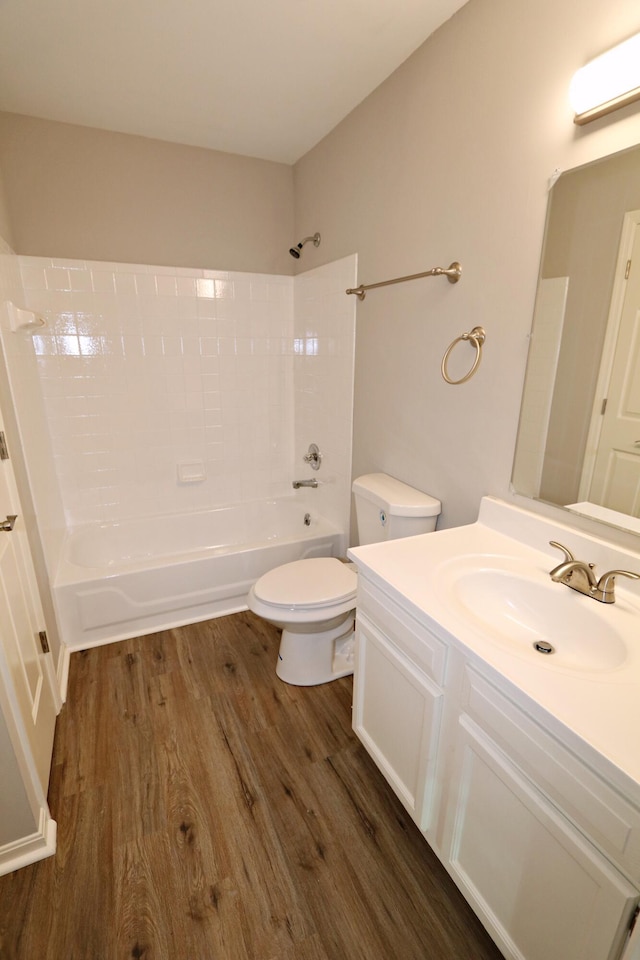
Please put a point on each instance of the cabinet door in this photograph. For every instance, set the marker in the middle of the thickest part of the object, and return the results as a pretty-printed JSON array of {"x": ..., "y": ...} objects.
[
  {"x": 542, "y": 891},
  {"x": 396, "y": 715}
]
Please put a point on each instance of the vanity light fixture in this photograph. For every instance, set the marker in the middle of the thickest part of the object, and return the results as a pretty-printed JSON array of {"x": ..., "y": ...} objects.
[{"x": 609, "y": 82}]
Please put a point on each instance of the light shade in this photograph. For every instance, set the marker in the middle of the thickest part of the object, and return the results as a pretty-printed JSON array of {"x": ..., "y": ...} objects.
[{"x": 609, "y": 82}]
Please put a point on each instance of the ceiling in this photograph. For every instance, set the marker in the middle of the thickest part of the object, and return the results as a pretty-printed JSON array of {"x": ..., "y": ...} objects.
[{"x": 263, "y": 78}]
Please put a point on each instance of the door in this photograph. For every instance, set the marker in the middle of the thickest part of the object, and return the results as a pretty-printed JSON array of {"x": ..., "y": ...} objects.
[
  {"x": 541, "y": 889},
  {"x": 616, "y": 473},
  {"x": 23, "y": 668},
  {"x": 396, "y": 715}
]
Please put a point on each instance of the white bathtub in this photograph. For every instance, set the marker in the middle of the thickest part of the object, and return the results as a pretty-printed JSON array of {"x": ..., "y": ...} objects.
[{"x": 120, "y": 580}]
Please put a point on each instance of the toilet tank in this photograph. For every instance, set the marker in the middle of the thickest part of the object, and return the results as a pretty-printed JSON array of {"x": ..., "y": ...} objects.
[{"x": 387, "y": 509}]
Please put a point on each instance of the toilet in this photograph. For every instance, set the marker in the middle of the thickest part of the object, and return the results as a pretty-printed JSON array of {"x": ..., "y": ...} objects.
[{"x": 313, "y": 601}]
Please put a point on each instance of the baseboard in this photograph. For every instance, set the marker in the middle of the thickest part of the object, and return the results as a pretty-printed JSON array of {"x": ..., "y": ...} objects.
[{"x": 62, "y": 673}]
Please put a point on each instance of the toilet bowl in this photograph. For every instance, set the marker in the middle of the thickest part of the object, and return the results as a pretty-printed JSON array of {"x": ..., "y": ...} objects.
[{"x": 313, "y": 601}]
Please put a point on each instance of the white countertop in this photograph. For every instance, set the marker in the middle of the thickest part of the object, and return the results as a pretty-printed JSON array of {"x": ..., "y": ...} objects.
[{"x": 600, "y": 707}]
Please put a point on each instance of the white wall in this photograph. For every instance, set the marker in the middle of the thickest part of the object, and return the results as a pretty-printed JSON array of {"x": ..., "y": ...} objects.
[
  {"x": 324, "y": 345},
  {"x": 144, "y": 369},
  {"x": 29, "y": 444},
  {"x": 6, "y": 238},
  {"x": 450, "y": 159},
  {"x": 542, "y": 367},
  {"x": 83, "y": 193}
]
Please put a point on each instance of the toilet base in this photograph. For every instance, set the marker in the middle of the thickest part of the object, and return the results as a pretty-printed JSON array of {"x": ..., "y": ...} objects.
[{"x": 306, "y": 659}]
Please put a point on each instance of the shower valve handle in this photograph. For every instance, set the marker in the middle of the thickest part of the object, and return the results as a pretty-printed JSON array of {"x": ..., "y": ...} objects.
[{"x": 313, "y": 456}]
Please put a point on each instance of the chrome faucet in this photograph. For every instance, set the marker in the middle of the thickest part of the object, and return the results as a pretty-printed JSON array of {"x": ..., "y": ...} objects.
[
  {"x": 304, "y": 483},
  {"x": 580, "y": 576}
]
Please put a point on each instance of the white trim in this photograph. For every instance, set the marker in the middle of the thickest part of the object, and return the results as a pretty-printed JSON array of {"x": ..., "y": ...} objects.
[
  {"x": 630, "y": 225},
  {"x": 52, "y": 680},
  {"x": 62, "y": 675}
]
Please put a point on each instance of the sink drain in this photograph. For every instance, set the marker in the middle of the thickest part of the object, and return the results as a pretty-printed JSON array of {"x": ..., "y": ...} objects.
[{"x": 543, "y": 647}]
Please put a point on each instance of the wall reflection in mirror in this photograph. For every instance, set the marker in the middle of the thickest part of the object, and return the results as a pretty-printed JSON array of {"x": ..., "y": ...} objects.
[{"x": 579, "y": 434}]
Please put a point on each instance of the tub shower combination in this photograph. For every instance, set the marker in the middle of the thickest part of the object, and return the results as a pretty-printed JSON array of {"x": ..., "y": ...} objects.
[
  {"x": 120, "y": 580},
  {"x": 151, "y": 393}
]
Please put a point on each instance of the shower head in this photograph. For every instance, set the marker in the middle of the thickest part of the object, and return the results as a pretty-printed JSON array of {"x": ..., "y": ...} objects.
[{"x": 295, "y": 251}]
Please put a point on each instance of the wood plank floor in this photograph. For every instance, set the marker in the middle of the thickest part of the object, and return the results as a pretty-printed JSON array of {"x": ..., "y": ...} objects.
[{"x": 208, "y": 811}]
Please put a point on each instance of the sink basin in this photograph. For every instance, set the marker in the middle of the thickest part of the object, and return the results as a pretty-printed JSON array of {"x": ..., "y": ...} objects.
[{"x": 521, "y": 612}]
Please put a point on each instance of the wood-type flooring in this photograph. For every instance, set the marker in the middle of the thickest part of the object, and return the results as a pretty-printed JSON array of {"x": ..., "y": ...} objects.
[{"x": 208, "y": 811}]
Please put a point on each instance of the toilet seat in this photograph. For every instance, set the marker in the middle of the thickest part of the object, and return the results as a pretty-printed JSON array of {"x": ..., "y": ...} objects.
[{"x": 312, "y": 583}]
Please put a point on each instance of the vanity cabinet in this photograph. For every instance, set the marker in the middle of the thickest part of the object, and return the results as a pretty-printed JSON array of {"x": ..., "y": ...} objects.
[
  {"x": 398, "y": 698},
  {"x": 543, "y": 848}
]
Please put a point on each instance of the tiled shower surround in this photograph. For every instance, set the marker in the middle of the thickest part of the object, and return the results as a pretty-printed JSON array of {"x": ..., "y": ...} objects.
[{"x": 169, "y": 389}]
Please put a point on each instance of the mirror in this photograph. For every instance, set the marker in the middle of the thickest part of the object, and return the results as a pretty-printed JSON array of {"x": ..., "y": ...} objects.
[{"x": 579, "y": 434}]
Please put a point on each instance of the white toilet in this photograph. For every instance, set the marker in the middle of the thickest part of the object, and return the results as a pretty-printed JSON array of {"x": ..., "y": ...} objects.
[{"x": 313, "y": 601}]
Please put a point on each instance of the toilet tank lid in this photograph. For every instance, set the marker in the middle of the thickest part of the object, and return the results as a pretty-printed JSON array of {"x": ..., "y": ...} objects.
[{"x": 396, "y": 497}]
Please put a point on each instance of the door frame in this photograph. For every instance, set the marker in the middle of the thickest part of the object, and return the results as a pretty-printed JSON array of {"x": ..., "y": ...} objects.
[{"x": 630, "y": 225}]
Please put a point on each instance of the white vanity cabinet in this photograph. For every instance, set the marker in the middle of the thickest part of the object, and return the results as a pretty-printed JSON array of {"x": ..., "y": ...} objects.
[
  {"x": 398, "y": 701},
  {"x": 543, "y": 848}
]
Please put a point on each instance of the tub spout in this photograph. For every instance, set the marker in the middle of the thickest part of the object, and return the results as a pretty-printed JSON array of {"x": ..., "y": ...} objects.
[{"x": 304, "y": 483}]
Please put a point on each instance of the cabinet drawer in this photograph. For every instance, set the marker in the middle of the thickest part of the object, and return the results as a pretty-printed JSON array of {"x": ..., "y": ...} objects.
[
  {"x": 598, "y": 810},
  {"x": 417, "y": 643}
]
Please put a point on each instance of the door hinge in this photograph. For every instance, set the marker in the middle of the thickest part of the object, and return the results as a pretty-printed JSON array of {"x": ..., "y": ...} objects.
[
  {"x": 4, "y": 450},
  {"x": 634, "y": 918},
  {"x": 627, "y": 270},
  {"x": 603, "y": 407},
  {"x": 44, "y": 642}
]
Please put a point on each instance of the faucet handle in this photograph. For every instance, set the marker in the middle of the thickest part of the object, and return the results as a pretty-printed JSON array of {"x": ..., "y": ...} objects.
[
  {"x": 607, "y": 583},
  {"x": 568, "y": 556},
  {"x": 313, "y": 456}
]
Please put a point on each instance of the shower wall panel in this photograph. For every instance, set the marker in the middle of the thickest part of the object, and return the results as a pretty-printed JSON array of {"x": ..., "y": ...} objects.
[
  {"x": 324, "y": 344},
  {"x": 166, "y": 389}
]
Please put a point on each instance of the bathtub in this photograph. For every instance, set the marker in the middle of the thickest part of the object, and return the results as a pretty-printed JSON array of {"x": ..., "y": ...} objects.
[{"x": 120, "y": 580}]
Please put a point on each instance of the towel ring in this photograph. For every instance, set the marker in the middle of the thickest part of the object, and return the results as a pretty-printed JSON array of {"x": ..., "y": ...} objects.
[{"x": 477, "y": 337}]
